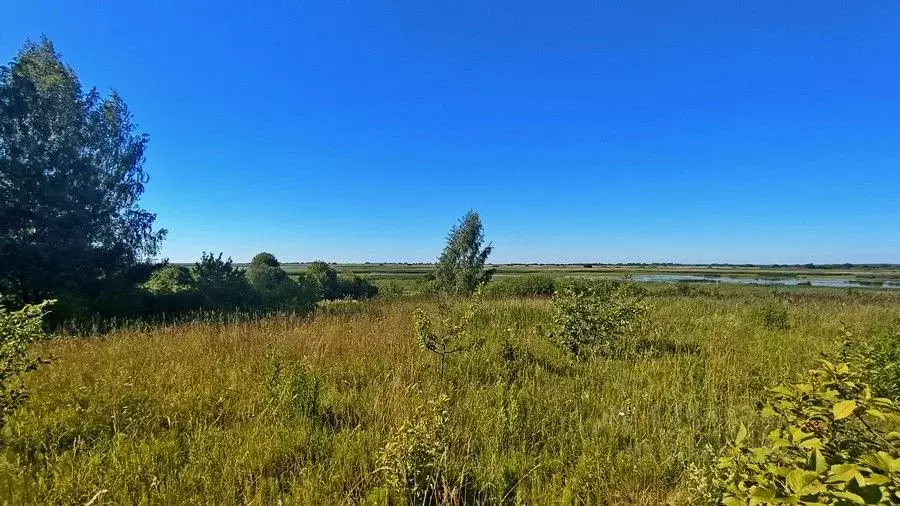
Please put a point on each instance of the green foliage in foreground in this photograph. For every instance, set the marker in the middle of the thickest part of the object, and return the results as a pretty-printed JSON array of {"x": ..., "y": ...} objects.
[
  {"x": 835, "y": 443},
  {"x": 877, "y": 359},
  {"x": 18, "y": 331}
]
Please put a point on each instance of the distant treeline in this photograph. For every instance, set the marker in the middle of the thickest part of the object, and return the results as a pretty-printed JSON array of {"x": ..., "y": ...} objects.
[{"x": 214, "y": 284}]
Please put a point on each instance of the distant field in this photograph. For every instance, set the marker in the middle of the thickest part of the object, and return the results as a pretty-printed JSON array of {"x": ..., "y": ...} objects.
[{"x": 864, "y": 273}]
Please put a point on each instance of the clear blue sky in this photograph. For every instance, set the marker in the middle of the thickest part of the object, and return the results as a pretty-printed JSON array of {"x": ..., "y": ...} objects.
[{"x": 691, "y": 131}]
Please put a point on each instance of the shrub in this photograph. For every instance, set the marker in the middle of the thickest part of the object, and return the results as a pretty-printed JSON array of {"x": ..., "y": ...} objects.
[
  {"x": 453, "y": 332},
  {"x": 18, "y": 330},
  {"x": 274, "y": 289},
  {"x": 390, "y": 288},
  {"x": 835, "y": 443},
  {"x": 354, "y": 287},
  {"x": 878, "y": 360},
  {"x": 220, "y": 283},
  {"x": 327, "y": 278},
  {"x": 170, "y": 279},
  {"x": 413, "y": 458},
  {"x": 309, "y": 287},
  {"x": 266, "y": 259},
  {"x": 774, "y": 316},
  {"x": 596, "y": 316},
  {"x": 171, "y": 289},
  {"x": 532, "y": 285}
]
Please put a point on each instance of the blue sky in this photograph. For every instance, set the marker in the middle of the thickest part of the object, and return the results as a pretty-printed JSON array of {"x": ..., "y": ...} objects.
[{"x": 693, "y": 131}]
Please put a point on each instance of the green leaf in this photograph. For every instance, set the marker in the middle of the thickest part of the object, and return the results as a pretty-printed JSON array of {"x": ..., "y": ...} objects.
[
  {"x": 812, "y": 444},
  {"x": 850, "y": 496},
  {"x": 843, "y": 473},
  {"x": 877, "y": 479},
  {"x": 871, "y": 494},
  {"x": 762, "y": 493},
  {"x": 843, "y": 409},
  {"x": 741, "y": 435},
  {"x": 875, "y": 414},
  {"x": 817, "y": 462},
  {"x": 798, "y": 479}
]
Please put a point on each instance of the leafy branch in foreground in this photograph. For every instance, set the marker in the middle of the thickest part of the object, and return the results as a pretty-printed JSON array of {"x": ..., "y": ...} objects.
[
  {"x": 835, "y": 444},
  {"x": 18, "y": 330}
]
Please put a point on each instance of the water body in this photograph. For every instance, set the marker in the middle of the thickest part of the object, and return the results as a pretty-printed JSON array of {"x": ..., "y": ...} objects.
[{"x": 697, "y": 278}]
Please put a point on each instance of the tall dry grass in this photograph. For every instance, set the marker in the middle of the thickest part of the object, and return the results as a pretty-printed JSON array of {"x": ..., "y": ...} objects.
[{"x": 299, "y": 409}]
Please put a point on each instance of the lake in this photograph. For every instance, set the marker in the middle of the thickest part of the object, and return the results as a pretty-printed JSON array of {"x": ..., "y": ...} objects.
[{"x": 825, "y": 282}]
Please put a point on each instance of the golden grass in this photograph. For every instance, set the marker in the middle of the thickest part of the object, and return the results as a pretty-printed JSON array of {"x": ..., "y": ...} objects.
[{"x": 191, "y": 413}]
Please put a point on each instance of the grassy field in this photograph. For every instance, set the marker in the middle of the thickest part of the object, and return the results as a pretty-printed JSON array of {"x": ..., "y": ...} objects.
[{"x": 312, "y": 410}]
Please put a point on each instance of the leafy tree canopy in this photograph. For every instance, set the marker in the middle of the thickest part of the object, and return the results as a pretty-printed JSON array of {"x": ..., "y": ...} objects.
[
  {"x": 460, "y": 268},
  {"x": 265, "y": 258},
  {"x": 170, "y": 279},
  {"x": 71, "y": 176},
  {"x": 327, "y": 278},
  {"x": 221, "y": 283}
]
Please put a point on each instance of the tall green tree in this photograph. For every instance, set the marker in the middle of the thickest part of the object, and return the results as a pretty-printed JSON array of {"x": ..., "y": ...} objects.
[
  {"x": 327, "y": 278},
  {"x": 221, "y": 284},
  {"x": 71, "y": 176},
  {"x": 461, "y": 266},
  {"x": 265, "y": 259},
  {"x": 275, "y": 290}
]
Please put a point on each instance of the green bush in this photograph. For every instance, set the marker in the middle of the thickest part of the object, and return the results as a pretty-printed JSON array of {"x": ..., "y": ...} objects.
[
  {"x": 327, "y": 278},
  {"x": 453, "y": 333},
  {"x": 220, "y": 283},
  {"x": 532, "y": 285},
  {"x": 170, "y": 279},
  {"x": 878, "y": 360},
  {"x": 774, "y": 316},
  {"x": 413, "y": 460},
  {"x": 309, "y": 287},
  {"x": 18, "y": 330},
  {"x": 591, "y": 316},
  {"x": 834, "y": 443},
  {"x": 354, "y": 287},
  {"x": 390, "y": 289},
  {"x": 171, "y": 289},
  {"x": 273, "y": 288},
  {"x": 266, "y": 259}
]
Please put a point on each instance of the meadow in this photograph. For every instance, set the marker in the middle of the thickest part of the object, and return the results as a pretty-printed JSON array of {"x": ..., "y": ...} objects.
[{"x": 323, "y": 408}]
